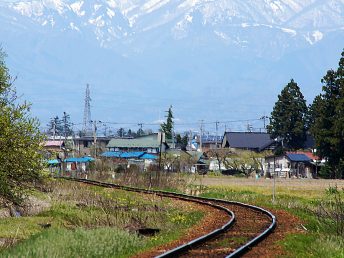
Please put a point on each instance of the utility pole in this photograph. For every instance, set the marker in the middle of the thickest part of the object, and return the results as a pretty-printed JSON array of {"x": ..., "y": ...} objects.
[
  {"x": 264, "y": 117},
  {"x": 200, "y": 138},
  {"x": 217, "y": 127},
  {"x": 95, "y": 137}
]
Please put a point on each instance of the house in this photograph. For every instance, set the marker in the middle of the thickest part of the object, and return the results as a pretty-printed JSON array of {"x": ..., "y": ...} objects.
[
  {"x": 148, "y": 143},
  {"x": 139, "y": 158},
  {"x": 84, "y": 145},
  {"x": 209, "y": 142},
  {"x": 252, "y": 141},
  {"x": 54, "y": 145},
  {"x": 293, "y": 164}
]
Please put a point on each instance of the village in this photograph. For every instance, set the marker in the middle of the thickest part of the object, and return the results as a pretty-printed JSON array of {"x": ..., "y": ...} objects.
[{"x": 234, "y": 153}]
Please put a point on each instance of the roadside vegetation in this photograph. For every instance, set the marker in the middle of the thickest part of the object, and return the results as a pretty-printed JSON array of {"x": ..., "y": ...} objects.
[
  {"x": 320, "y": 232},
  {"x": 86, "y": 221}
]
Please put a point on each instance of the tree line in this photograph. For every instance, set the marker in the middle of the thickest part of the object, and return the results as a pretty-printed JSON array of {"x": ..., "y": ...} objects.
[{"x": 292, "y": 120}]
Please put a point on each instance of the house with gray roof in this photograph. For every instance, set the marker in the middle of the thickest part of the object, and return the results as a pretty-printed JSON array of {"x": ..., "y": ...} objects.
[
  {"x": 148, "y": 143},
  {"x": 252, "y": 141}
]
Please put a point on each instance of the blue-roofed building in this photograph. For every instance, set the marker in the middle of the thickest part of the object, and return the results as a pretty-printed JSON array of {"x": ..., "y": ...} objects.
[
  {"x": 127, "y": 158},
  {"x": 293, "y": 165},
  {"x": 78, "y": 164}
]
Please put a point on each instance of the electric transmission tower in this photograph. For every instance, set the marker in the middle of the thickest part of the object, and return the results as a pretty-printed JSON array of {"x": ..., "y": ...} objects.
[{"x": 87, "y": 125}]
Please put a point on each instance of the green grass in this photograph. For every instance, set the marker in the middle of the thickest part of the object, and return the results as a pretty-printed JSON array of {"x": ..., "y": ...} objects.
[
  {"x": 95, "y": 222},
  {"x": 313, "y": 245},
  {"x": 318, "y": 241},
  {"x": 100, "y": 242}
]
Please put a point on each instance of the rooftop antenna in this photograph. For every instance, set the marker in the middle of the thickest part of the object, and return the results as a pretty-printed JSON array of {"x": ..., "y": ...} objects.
[{"x": 87, "y": 125}]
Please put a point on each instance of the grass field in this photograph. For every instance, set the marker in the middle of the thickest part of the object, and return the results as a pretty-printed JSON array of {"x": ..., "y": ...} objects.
[
  {"x": 301, "y": 197},
  {"x": 88, "y": 221},
  {"x": 96, "y": 222}
]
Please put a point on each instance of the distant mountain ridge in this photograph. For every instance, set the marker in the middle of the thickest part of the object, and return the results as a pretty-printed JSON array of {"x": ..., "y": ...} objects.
[
  {"x": 208, "y": 58},
  {"x": 231, "y": 22}
]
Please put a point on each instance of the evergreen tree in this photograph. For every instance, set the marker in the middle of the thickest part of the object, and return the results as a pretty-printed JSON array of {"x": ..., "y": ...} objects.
[
  {"x": 328, "y": 120},
  {"x": 288, "y": 118},
  {"x": 121, "y": 132},
  {"x": 167, "y": 127},
  {"x": 67, "y": 126},
  {"x": 140, "y": 132},
  {"x": 55, "y": 127},
  {"x": 20, "y": 142}
]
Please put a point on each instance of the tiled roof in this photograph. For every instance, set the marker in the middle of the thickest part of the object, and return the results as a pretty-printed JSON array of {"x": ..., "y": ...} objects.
[
  {"x": 133, "y": 143},
  {"x": 298, "y": 157},
  {"x": 308, "y": 154},
  {"x": 247, "y": 140}
]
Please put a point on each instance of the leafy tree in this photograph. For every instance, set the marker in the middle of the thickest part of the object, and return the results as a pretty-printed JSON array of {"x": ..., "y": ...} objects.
[
  {"x": 328, "y": 120},
  {"x": 20, "y": 142},
  {"x": 288, "y": 118},
  {"x": 167, "y": 127}
]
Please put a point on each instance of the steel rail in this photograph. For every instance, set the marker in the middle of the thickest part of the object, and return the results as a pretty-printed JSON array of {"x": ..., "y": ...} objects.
[{"x": 207, "y": 201}]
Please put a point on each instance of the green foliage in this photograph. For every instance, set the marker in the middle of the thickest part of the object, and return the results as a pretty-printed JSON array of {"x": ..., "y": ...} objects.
[
  {"x": 327, "y": 117},
  {"x": 100, "y": 242},
  {"x": 313, "y": 245},
  {"x": 167, "y": 127},
  {"x": 331, "y": 211},
  {"x": 320, "y": 240},
  {"x": 63, "y": 126},
  {"x": 95, "y": 222},
  {"x": 288, "y": 118},
  {"x": 182, "y": 142},
  {"x": 20, "y": 142}
]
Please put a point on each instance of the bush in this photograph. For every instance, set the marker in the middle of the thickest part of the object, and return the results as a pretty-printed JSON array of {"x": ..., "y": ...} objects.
[{"x": 331, "y": 211}]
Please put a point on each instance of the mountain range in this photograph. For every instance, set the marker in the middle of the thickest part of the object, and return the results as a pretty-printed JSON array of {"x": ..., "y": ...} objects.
[{"x": 215, "y": 60}]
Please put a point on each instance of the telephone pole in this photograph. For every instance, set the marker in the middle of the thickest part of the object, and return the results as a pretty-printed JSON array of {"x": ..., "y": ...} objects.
[
  {"x": 200, "y": 138},
  {"x": 95, "y": 136},
  {"x": 217, "y": 127}
]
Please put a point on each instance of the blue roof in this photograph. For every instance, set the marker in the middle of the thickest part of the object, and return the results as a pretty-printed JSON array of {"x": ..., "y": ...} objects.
[
  {"x": 128, "y": 155},
  {"x": 298, "y": 157},
  {"x": 124, "y": 155},
  {"x": 79, "y": 160},
  {"x": 148, "y": 156},
  {"x": 53, "y": 161}
]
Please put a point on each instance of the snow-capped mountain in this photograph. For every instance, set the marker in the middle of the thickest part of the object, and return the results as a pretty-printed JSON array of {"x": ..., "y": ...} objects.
[
  {"x": 140, "y": 50},
  {"x": 232, "y": 22}
]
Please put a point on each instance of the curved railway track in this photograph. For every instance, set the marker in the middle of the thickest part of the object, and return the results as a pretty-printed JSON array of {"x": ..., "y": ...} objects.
[{"x": 247, "y": 225}]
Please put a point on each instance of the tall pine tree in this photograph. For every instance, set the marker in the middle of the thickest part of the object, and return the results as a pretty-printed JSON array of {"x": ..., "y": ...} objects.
[
  {"x": 328, "y": 120},
  {"x": 288, "y": 118},
  {"x": 167, "y": 127}
]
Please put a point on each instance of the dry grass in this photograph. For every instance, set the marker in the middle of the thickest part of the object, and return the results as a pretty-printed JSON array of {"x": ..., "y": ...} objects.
[{"x": 306, "y": 188}]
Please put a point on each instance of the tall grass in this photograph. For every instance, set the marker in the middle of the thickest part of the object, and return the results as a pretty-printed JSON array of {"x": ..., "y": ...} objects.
[
  {"x": 100, "y": 242},
  {"x": 86, "y": 221}
]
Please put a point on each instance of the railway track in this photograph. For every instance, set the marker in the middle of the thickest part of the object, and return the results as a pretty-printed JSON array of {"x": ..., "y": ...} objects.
[{"x": 246, "y": 226}]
